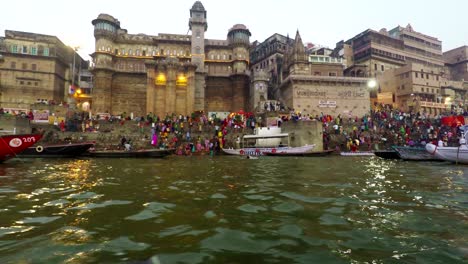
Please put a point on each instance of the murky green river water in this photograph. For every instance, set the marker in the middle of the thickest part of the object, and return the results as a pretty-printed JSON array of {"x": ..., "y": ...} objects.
[{"x": 233, "y": 210}]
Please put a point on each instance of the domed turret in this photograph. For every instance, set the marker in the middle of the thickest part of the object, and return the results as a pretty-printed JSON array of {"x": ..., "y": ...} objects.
[
  {"x": 105, "y": 26},
  {"x": 239, "y": 35}
]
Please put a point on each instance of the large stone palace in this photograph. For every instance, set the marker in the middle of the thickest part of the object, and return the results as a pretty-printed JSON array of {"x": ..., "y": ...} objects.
[{"x": 170, "y": 73}]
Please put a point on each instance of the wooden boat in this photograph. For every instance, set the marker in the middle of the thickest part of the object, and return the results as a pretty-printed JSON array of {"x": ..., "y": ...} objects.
[
  {"x": 301, "y": 154},
  {"x": 12, "y": 145},
  {"x": 144, "y": 153},
  {"x": 258, "y": 145},
  {"x": 56, "y": 150},
  {"x": 387, "y": 154},
  {"x": 454, "y": 154},
  {"x": 356, "y": 153},
  {"x": 414, "y": 153}
]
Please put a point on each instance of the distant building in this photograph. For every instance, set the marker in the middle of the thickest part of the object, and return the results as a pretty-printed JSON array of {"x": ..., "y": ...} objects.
[
  {"x": 416, "y": 87},
  {"x": 457, "y": 62},
  {"x": 320, "y": 88},
  {"x": 35, "y": 68},
  {"x": 170, "y": 73}
]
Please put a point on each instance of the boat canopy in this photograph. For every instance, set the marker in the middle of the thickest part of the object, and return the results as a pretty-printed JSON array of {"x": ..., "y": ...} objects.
[{"x": 266, "y": 136}]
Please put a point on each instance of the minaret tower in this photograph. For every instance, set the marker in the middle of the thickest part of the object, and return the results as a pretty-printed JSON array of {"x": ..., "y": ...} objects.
[
  {"x": 198, "y": 25},
  {"x": 105, "y": 32}
]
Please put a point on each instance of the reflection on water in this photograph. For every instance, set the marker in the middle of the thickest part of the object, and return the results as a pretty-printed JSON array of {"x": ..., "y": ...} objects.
[{"x": 233, "y": 210}]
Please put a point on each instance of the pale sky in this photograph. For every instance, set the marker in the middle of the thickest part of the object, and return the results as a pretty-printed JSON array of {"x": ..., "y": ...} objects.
[{"x": 321, "y": 22}]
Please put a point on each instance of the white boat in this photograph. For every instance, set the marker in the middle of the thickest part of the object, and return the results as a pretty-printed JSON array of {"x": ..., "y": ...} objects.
[
  {"x": 357, "y": 153},
  {"x": 269, "y": 142},
  {"x": 455, "y": 154}
]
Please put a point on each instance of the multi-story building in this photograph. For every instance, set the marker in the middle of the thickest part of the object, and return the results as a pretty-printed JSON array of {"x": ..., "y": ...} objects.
[
  {"x": 457, "y": 62},
  {"x": 416, "y": 87},
  {"x": 316, "y": 88},
  {"x": 371, "y": 52},
  {"x": 35, "y": 68},
  {"x": 170, "y": 73}
]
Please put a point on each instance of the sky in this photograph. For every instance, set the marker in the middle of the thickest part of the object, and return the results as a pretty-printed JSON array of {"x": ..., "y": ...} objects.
[{"x": 320, "y": 22}]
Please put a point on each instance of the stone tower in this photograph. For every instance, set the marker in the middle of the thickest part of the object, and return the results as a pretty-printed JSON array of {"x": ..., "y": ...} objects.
[
  {"x": 198, "y": 25},
  {"x": 238, "y": 39},
  {"x": 298, "y": 62},
  {"x": 105, "y": 33},
  {"x": 258, "y": 89}
]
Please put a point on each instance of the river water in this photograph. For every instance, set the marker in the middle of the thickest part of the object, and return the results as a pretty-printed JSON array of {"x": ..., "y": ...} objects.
[{"x": 229, "y": 209}]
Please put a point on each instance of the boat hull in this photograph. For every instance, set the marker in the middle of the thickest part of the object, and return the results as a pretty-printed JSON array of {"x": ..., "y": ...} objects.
[
  {"x": 387, "y": 154},
  {"x": 305, "y": 154},
  {"x": 262, "y": 151},
  {"x": 454, "y": 154},
  {"x": 357, "y": 153},
  {"x": 12, "y": 145},
  {"x": 148, "y": 153},
  {"x": 56, "y": 151},
  {"x": 414, "y": 153}
]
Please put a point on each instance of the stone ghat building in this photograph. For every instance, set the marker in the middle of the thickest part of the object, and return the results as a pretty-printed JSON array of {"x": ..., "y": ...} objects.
[
  {"x": 303, "y": 82},
  {"x": 35, "y": 68},
  {"x": 170, "y": 73}
]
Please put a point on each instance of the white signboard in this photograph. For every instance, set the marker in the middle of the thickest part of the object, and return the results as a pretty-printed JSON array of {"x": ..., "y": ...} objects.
[{"x": 325, "y": 103}]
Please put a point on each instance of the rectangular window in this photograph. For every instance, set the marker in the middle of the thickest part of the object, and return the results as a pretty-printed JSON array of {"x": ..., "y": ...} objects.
[
  {"x": 21, "y": 82},
  {"x": 14, "y": 49},
  {"x": 33, "y": 67},
  {"x": 33, "y": 51},
  {"x": 382, "y": 67},
  {"x": 46, "y": 51},
  {"x": 437, "y": 77},
  {"x": 427, "y": 75},
  {"x": 332, "y": 74},
  {"x": 375, "y": 66},
  {"x": 407, "y": 75},
  {"x": 24, "y": 66},
  {"x": 416, "y": 74},
  {"x": 316, "y": 73},
  {"x": 13, "y": 65},
  {"x": 402, "y": 86},
  {"x": 24, "y": 49}
]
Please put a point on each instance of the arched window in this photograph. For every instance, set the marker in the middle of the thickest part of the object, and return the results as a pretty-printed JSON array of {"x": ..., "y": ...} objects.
[
  {"x": 153, "y": 53},
  {"x": 224, "y": 56},
  {"x": 108, "y": 48},
  {"x": 130, "y": 53},
  {"x": 212, "y": 56},
  {"x": 137, "y": 52},
  {"x": 217, "y": 56}
]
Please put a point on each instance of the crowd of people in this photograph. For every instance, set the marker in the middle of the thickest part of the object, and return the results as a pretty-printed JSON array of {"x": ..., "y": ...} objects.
[{"x": 202, "y": 134}]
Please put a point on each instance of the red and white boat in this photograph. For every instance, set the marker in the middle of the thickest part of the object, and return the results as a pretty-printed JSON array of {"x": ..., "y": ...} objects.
[{"x": 11, "y": 145}]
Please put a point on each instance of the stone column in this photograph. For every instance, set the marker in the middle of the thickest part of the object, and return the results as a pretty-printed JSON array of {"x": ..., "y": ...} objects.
[
  {"x": 190, "y": 95},
  {"x": 171, "y": 77},
  {"x": 150, "y": 88},
  {"x": 102, "y": 91}
]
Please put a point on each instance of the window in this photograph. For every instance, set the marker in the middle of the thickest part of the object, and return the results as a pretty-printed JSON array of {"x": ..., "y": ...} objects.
[
  {"x": 382, "y": 68},
  {"x": 33, "y": 51},
  {"x": 122, "y": 52},
  {"x": 33, "y": 67},
  {"x": 36, "y": 83},
  {"x": 437, "y": 77},
  {"x": 416, "y": 74},
  {"x": 24, "y": 49},
  {"x": 46, "y": 51},
  {"x": 130, "y": 52},
  {"x": 13, "y": 65},
  {"x": 427, "y": 75},
  {"x": 162, "y": 51},
  {"x": 153, "y": 53},
  {"x": 316, "y": 73},
  {"x": 116, "y": 51},
  {"x": 375, "y": 66},
  {"x": 137, "y": 52},
  {"x": 21, "y": 82},
  {"x": 143, "y": 53},
  {"x": 332, "y": 74},
  {"x": 24, "y": 66},
  {"x": 14, "y": 49},
  {"x": 402, "y": 86},
  {"x": 407, "y": 75},
  {"x": 29, "y": 83}
]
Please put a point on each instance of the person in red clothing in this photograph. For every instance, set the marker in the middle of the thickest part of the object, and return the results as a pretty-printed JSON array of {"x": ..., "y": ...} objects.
[{"x": 62, "y": 126}]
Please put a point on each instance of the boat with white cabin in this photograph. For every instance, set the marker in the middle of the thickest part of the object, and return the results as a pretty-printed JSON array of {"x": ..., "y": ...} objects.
[
  {"x": 267, "y": 140},
  {"x": 455, "y": 154}
]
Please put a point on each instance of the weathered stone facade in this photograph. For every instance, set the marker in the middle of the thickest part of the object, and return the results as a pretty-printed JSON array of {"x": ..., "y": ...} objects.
[
  {"x": 35, "y": 68},
  {"x": 170, "y": 73}
]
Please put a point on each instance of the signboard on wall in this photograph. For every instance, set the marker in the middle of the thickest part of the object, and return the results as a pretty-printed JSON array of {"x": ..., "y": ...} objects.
[
  {"x": 41, "y": 116},
  {"x": 325, "y": 103}
]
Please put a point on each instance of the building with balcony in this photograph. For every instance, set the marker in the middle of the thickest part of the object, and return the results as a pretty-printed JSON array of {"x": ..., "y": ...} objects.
[
  {"x": 35, "y": 68},
  {"x": 170, "y": 73},
  {"x": 457, "y": 62}
]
